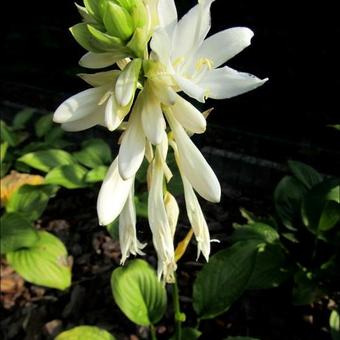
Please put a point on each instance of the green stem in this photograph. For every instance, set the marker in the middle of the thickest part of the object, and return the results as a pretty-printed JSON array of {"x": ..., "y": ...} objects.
[
  {"x": 153, "y": 332},
  {"x": 177, "y": 310}
]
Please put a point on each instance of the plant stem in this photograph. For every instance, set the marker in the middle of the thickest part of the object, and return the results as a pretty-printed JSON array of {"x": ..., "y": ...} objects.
[
  {"x": 177, "y": 310},
  {"x": 153, "y": 332}
]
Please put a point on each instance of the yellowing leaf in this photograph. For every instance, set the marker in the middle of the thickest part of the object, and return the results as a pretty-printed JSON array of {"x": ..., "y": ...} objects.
[
  {"x": 10, "y": 183},
  {"x": 182, "y": 246}
]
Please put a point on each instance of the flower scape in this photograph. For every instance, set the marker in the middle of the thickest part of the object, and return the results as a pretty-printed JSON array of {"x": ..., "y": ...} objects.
[{"x": 157, "y": 57}]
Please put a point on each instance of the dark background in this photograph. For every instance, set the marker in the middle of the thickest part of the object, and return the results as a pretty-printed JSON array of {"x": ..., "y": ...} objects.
[{"x": 296, "y": 45}]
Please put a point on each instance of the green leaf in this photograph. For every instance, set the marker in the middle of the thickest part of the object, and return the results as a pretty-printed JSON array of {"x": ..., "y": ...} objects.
[
  {"x": 96, "y": 175},
  {"x": 67, "y": 176},
  {"x": 16, "y": 232},
  {"x": 85, "y": 333},
  {"x": 305, "y": 174},
  {"x": 334, "y": 324},
  {"x": 54, "y": 137},
  {"x": 223, "y": 279},
  {"x": 288, "y": 197},
  {"x": 3, "y": 151},
  {"x": 43, "y": 125},
  {"x": 270, "y": 268},
  {"x": 44, "y": 264},
  {"x": 22, "y": 117},
  {"x": 305, "y": 290},
  {"x": 7, "y": 135},
  {"x": 336, "y": 126},
  {"x": 138, "y": 292},
  {"x": 47, "y": 159},
  {"x": 95, "y": 152},
  {"x": 31, "y": 200},
  {"x": 256, "y": 231},
  {"x": 4, "y": 168},
  {"x": 321, "y": 206}
]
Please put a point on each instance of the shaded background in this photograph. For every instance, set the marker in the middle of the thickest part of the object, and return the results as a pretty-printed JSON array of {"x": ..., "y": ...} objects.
[{"x": 296, "y": 47}]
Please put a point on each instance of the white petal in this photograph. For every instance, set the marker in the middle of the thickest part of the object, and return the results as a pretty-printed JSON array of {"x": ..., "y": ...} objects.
[
  {"x": 113, "y": 114},
  {"x": 100, "y": 60},
  {"x": 152, "y": 118},
  {"x": 190, "y": 88},
  {"x": 225, "y": 82},
  {"x": 132, "y": 148},
  {"x": 161, "y": 45},
  {"x": 129, "y": 243},
  {"x": 197, "y": 220},
  {"x": 79, "y": 105},
  {"x": 191, "y": 30},
  {"x": 193, "y": 165},
  {"x": 224, "y": 45},
  {"x": 172, "y": 211},
  {"x": 112, "y": 195},
  {"x": 95, "y": 118},
  {"x": 100, "y": 78},
  {"x": 127, "y": 82},
  {"x": 167, "y": 14},
  {"x": 188, "y": 116}
]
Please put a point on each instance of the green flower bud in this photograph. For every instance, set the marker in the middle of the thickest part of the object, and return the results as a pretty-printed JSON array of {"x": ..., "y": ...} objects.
[
  {"x": 138, "y": 41},
  {"x": 118, "y": 22}
]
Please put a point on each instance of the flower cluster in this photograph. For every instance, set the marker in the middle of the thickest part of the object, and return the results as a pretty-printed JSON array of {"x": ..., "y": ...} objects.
[{"x": 158, "y": 57}]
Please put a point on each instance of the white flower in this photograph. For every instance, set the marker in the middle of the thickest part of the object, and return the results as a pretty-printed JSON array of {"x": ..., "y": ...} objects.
[
  {"x": 129, "y": 243},
  {"x": 162, "y": 231},
  {"x": 112, "y": 195},
  {"x": 193, "y": 61}
]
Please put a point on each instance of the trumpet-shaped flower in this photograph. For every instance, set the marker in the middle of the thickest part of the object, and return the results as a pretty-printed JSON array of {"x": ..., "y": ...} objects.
[{"x": 193, "y": 61}]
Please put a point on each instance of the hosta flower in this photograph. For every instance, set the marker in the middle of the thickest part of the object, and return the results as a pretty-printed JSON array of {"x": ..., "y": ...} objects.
[
  {"x": 194, "y": 61},
  {"x": 144, "y": 99}
]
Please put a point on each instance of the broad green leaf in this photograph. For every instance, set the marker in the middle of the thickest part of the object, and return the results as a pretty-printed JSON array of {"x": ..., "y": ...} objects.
[
  {"x": 3, "y": 151},
  {"x": 223, "y": 279},
  {"x": 54, "y": 137},
  {"x": 305, "y": 290},
  {"x": 94, "y": 153},
  {"x": 97, "y": 174},
  {"x": 305, "y": 174},
  {"x": 334, "y": 324},
  {"x": 256, "y": 231},
  {"x": 85, "y": 333},
  {"x": 67, "y": 176},
  {"x": 44, "y": 264},
  {"x": 22, "y": 117},
  {"x": 43, "y": 125},
  {"x": 47, "y": 159},
  {"x": 288, "y": 197},
  {"x": 321, "y": 206},
  {"x": 31, "y": 200},
  {"x": 4, "y": 168},
  {"x": 16, "y": 232},
  {"x": 138, "y": 292},
  {"x": 270, "y": 268},
  {"x": 7, "y": 135}
]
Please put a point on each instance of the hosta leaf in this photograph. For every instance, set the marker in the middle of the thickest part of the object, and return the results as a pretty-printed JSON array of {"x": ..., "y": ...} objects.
[
  {"x": 44, "y": 264},
  {"x": 97, "y": 174},
  {"x": 43, "y": 125},
  {"x": 334, "y": 324},
  {"x": 223, "y": 279},
  {"x": 31, "y": 200},
  {"x": 7, "y": 135},
  {"x": 22, "y": 117},
  {"x": 270, "y": 268},
  {"x": 95, "y": 153},
  {"x": 305, "y": 174},
  {"x": 256, "y": 231},
  {"x": 68, "y": 176},
  {"x": 321, "y": 206},
  {"x": 16, "y": 232},
  {"x": 188, "y": 334},
  {"x": 85, "y": 333},
  {"x": 288, "y": 197},
  {"x": 138, "y": 292},
  {"x": 47, "y": 159}
]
